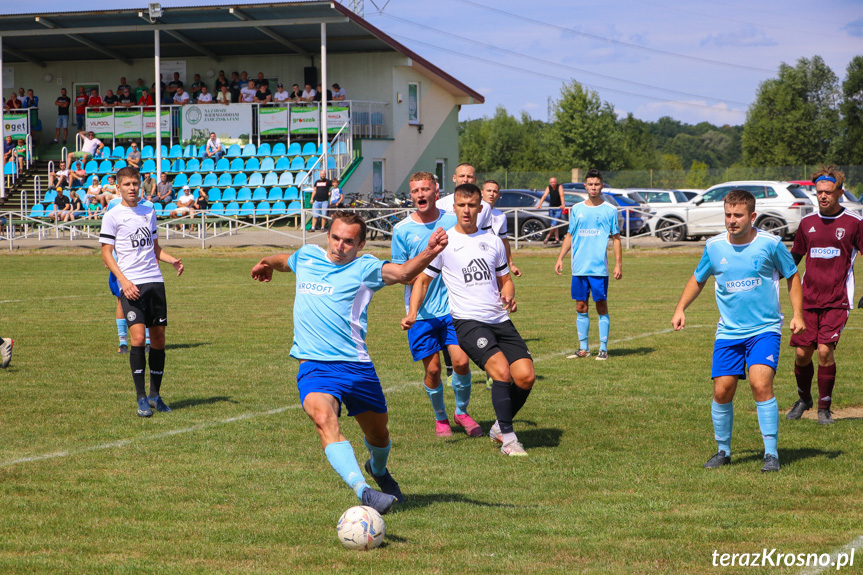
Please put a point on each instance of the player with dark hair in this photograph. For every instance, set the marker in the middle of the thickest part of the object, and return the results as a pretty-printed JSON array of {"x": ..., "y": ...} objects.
[
  {"x": 829, "y": 240},
  {"x": 590, "y": 225},
  {"x": 130, "y": 230},
  {"x": 746, "y": 264},
  {"x": 334, "y": 288},
  {"x": 433, "y": 330},
  {"x": 481, "y": 293}
]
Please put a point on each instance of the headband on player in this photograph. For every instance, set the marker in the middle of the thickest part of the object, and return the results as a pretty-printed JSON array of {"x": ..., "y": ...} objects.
[{"x": 827, "y": 178}]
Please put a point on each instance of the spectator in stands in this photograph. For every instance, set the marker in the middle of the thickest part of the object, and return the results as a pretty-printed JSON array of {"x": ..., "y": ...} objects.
[
  {"x": 234, "y": 87},
  {"x": 59, "y": 177},
  {"x": 139, "y": 89},
  {"x": 296, "y": 94},
  {"x": 184, "y": 204},
  {"x": 320, "y": 201},
  {"x": 162, "y": 87},
  {"x": 77, "y": 174},
  {"x": 261, "y": 81},
  {"x": 123, "y": 85},
  {"x": 202, "y": 203},
  {"x": 247, "y": 94},
  {"x": 95, "y": 100},
  {"x": 22, "y": 95},
  {"x": 125, "y": 98},
  {"x": 60, "y": 209},
  {"x": 338, "y": 93},
  {"x": 319, "y": 92},
  {"x": 12, "y": 103},
  {"x": 91, "y": 147},
  {"x": 308, "y": 94},
  {"x": 168, "y": 98},
  {"x": 214, "y": 147},
  {"x": 224, "y": 96},
  {"x": 8, "y": 148},
  {"x": 181, "y": 97},
  {"x": 146, "y": 98},
  {"x": 336, "y": 196},
  {"x": 174, "y": 84},
  {"x": 93, "y": 191},
  {"x": 62, "y": 102},
  {"x": 280, "y": 96},
  {"x": 31, "y": 101},
  {"x": 93, "y": 208},
  {"x": 165, "y": 190},
  {"x": 110, "y": 100},
  {"x": 263, "y": 95},
  {"x": 76, "y": 209},
  {"x": 20, "y": 154},
  {"x": 109, "y": 191},
  {"x": 221, "y": 80},
  {"x": 195, "y": 88},
  {"x": 204, "y": 96},
  {"x": 148, "y": 188},
  {"x": 80, "y": 108},
  {"x": 244, "y": 79},
  {"x": 133, "y": 157}
]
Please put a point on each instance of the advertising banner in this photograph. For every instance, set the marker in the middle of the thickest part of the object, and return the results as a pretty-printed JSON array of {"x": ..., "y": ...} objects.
[
  {"x": 100, "y": 123},
  {"x": 232, "y": 124},
  {"x": 273, "y": 121},
  {"x": 150, "y": 123},
  {"x": 305, "y": 120},
  {"x": 16, "y": 125},
  {"x": 337, "y": 116},
  {"x": 127, "y": 124}
]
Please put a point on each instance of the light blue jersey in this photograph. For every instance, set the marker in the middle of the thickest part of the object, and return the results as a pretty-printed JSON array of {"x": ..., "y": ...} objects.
[
  {"x": 409, "y": 239},
  {"x": 590, "y": 228},
  {"x": 330, "y": 321},
  {"x": 747, "y": 283}
]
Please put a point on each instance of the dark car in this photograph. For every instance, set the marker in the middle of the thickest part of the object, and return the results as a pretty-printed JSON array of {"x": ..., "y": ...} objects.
[
  {"x": 532, "y": 218},
  {"x": 576, "y": 197}
]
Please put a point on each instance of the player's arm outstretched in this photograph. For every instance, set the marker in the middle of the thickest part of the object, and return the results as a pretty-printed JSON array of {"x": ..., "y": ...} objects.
[
  {"x": 564, "y": 249},
  {"x": 795, "y": 292},
  {"x": 418, "y": 296},
  {"x": 618, "y": 256},
  {"x": 507, "y": 293},
  {"x": 404, "y": 273},
  {"x": 690, "y": 292},
  {"x": 163, "y": 256},
  {"x": 512, "y": 267},
  {"x": 263, "y": 270},
  {"x": 130, "y": 290}
]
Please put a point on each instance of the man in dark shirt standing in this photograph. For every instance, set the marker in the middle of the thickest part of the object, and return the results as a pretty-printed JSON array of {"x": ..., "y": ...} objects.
[
  {"x": 554, "y": 192},
  {"x": 263, "y": 95},
  {"x": 62, "y": 103},
  {"x": 321, "y": 200}
]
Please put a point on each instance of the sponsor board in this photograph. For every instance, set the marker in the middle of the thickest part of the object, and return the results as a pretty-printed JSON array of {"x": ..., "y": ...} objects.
[
  {"x": 150, "y": 123},
  {"x": 305, "y": 120},
  {"x": 16, "y": 125},
  {"x": 273, "y": 121},
  {"x": 231, "y": 123},
  {"x": 100, "y": 123},
  {"x": 128, "y": 124}
]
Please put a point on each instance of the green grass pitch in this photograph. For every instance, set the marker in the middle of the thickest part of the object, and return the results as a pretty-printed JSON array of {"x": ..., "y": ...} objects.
[{"x": 235, "y": 481}]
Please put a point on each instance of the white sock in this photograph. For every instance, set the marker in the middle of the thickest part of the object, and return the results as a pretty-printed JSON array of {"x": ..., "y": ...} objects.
[{"x": 509, "y": 438}]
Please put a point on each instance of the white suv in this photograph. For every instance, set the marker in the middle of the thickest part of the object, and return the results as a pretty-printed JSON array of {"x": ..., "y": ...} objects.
[{"x": 779, "y": 207}]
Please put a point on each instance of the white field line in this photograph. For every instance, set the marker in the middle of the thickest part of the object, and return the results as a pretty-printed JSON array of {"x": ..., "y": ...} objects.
[
  {"x": 253, "y": 415},
  {"x": 853, "y": 544}
]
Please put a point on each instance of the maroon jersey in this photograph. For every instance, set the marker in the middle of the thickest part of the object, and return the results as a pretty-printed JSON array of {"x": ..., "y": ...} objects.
[{"x": 830, "y": 245}]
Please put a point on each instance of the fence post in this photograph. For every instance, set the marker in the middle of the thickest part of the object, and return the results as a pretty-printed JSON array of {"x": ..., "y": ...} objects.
[
  {"x": 628, "y": 213},
  {"x": 515, "y": 231},
  {"x": 651, "y": 177},
  {"x": 204, "y": 230},
  {"x": 303, "y": 223}
]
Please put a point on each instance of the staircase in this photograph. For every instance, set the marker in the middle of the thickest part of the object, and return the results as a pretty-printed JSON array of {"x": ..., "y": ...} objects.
[{"x": 25, "y": 186}]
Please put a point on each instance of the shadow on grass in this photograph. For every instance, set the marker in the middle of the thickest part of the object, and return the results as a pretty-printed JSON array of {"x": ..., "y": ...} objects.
[
  {"x": 423, "y": 500},
  {"x": 789, "y": 456},
  {"x": 543, "y": 437},
  {"x": 621, "y": 352},
  {"x": 185, "y": 345},
  {"x": 193, "y": 401}
]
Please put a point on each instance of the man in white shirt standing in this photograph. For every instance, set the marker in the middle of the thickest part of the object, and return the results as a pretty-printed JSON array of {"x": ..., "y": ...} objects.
[{"x": 247, "y": 94}]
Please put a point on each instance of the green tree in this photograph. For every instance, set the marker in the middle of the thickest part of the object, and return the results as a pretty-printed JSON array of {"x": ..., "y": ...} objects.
[
  {"x": 585, "y": 132},
  {"x": 794, "y": 117},
  {"x": 638, "y": 144},
  {"x": 698, "y": 176},
  {"x": 850, "y": 142}
]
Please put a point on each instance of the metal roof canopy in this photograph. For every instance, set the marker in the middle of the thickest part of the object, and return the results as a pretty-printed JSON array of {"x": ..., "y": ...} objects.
[{"x": 292, "y": 28}]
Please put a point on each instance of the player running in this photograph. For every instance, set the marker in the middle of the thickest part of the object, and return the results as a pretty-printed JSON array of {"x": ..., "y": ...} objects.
[
  {"x": 433, "y": 330},
  {"x": 481, "y": 292},
  {"x": 746, "y": 264},
  {"x": 590, "y": 224},
  {"x": 334, "y": 288},
  {"x": 829, "y": 240},
  {"x": 130, "y": 230}
]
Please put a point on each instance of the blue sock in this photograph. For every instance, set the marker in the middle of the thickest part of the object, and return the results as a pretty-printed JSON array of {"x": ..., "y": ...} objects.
[
  {"x": 341, "y": 457},
  {"x": 121, "y": 330},
  {"x": 604, "y": 325},
  {"x": 436, "y": 398},
  {"x": 461, "y": 388},
  {"x": 147, "y": 332},
  {"x": 582, "y": 324},
  {"x": 723, "y": 420},
  {"x": 380, "y": 455},
  {"x": 768, "y": 421}
]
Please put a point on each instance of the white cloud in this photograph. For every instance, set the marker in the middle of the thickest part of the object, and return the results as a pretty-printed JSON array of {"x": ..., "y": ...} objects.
[
  {"x": 748, "y": 35},
  {"x": 690, "y": 112}
]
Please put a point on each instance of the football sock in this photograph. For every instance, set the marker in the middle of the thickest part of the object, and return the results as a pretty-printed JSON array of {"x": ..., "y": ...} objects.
[
  {"x": 604, "y": 325},
  {"x": 341, "y": 457},
  {"x": 147, "y": 332},
  {"x": 380, "y": 455},
  {"x": 447, "y": 361},
  {"x": 502, "y": 403},
  {"x": 121, "y": 330},
  {"x": 518, "y": 397},
  {"x": 768, "y": 421},
  {"x": 138, "y": 361},
  {"x": 826, "y": 380},
  {"x": 508, "y": 437},
  {"x": 582, "y": 324},
  {"x": 436, "y": 398},
  {"x": 157, "y": 368},
  {"x": 723, "y": 420},
  {"x": 804, "y": 374},
  {"x": 461, "y": 389}
]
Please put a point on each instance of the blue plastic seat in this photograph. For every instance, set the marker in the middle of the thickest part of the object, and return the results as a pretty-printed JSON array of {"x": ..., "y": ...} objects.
[
  {"x": 309, "y": 149},
  {"x": 263, "y": 150},
  {"x": 164, "y": 149},
  {"x": 225, "y": 180},
  {"x": 210, "y": 180},
  {"x": 50, "y": 196},
  {"x": 176, "y": 152},
  {"x": 217, "y": 209},
  {"x": 181, "y": 180},
  {"x": 292, "y": 193},
  {"x": 190, "y": 151},
  {"x": 147, "y": 152},
  {"x": 331, "y": 163},
  {"x": 232, "y": 210},
  {"x": 119, "y": 153},
  {"x": 321, "y": 148},
  {"x": 263, "y": 209},
  {"x": 229, "y": 195},
  {"x": 253, "y": 165},
  {"x": 38, "y": 211},
  {"x": 148, "y": 167},
  {"x": 119, "y": 165},
  {"x": 279, "y": 149},
  {"x": 294, "y": 149},
  {"x": 214, "y": 195},
  {"x": 294, "y": 208},
  {"x": 271, "y": 179},
  {"x": 160, "y": 211},
  {"x": 223, "y": 165},
  {"x": 170, "y": 208},
  {"x": 178, "y": 165},
  {"x": 166, "y": 165},
  {"x": 237, "y": 165},
  {"x": 311, "y": 162},
  {"x": 193, "y": 165},
  {"x": 268, "y": 165},
  {"x": 244, "y": 194},
  {"x": 10, "y": 169},
  {"x": 259, "y": 194},
  {"x": 256, "y": 179},
  {"x": 283, "y": 164},
  {"x": 247, "y": 209},
  {"x": 301, "y": 179},
  {"x": 240, "y": 180},
  {"x": 341, "y": 148},
  {"x": 208, "y": 165},
  {"x": 297, "y": 164},
  {"x": 195, "y": 180},
  {"x": 104, "y": 179},
  {"x": 279, "y": 209},
  {"x": 275, "y": 194},
  {"x": 233, "y": 151},
  {"x": 248, "y": 151},
  {"x": 286, "y": 179}
]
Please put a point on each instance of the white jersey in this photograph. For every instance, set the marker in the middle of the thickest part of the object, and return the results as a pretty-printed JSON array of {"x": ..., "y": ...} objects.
[
  {"x": 483, "y": 220},
  {"x": 131, "y": 231},
  {"x": 498, "y": 223},
  {"x": 470, "y": 266}
]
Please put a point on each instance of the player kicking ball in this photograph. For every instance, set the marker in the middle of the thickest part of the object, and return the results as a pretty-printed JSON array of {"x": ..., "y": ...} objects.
[
  {"x": 434, "y": 330},
  {"x": 746, "y": 264},
  {"x": 481, "y": 293},
  {"x": 130, "y": 230},
  {"x": 334, "y": 288}
]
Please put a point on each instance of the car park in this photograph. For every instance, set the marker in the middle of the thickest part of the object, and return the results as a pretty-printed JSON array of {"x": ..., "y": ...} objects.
[
  {"x": 533, "y": 218},
  {"x": 848, "y": 200},
  {"x": 661, "y": 198}
]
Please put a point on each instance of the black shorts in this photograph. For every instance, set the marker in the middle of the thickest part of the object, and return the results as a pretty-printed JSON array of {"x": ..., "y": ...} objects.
[
  {"x": 151, "y": 307},
  {"x": 481, "y": 340}
]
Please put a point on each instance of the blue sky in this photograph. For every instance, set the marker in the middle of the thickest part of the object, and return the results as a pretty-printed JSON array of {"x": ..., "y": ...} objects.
[{"x": 694, "y": 60}]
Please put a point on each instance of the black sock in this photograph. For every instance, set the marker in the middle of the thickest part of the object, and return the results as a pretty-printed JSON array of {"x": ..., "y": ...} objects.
[
  {"x": 502, "y": 402},
  {"x": 138, "y": 361},
  {"x": 157, "y": 368},
  {"x": 447, "y": 360},
  {"x": 519, "y": 396}
]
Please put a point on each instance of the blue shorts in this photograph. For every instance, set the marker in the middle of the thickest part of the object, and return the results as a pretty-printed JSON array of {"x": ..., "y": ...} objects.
[
  {"x": 354, "y": 383},
  {"x": 585, "y": 286},
  {"x": 319, "y": 209},
  {"x": 62, "y": 121},
  {"x": 733, "y": 356},
  {"x": 428, "y": 336},
  {"x": 556, "y": 214},
  {"x": 114, "y": 285}
]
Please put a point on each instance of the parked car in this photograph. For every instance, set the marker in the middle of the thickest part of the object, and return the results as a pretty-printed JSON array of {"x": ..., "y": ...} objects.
[
  {"x": 848, "y": 200},
  {"x": 659, "y": 198},
  {"x": 639, "y": 210},
  {"x": 532, "y": 217},
  {"x": 779, "y": 205}
]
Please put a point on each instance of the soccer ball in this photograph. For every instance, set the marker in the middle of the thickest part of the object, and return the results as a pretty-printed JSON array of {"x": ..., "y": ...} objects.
[{"x": 361, "y": 528}]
